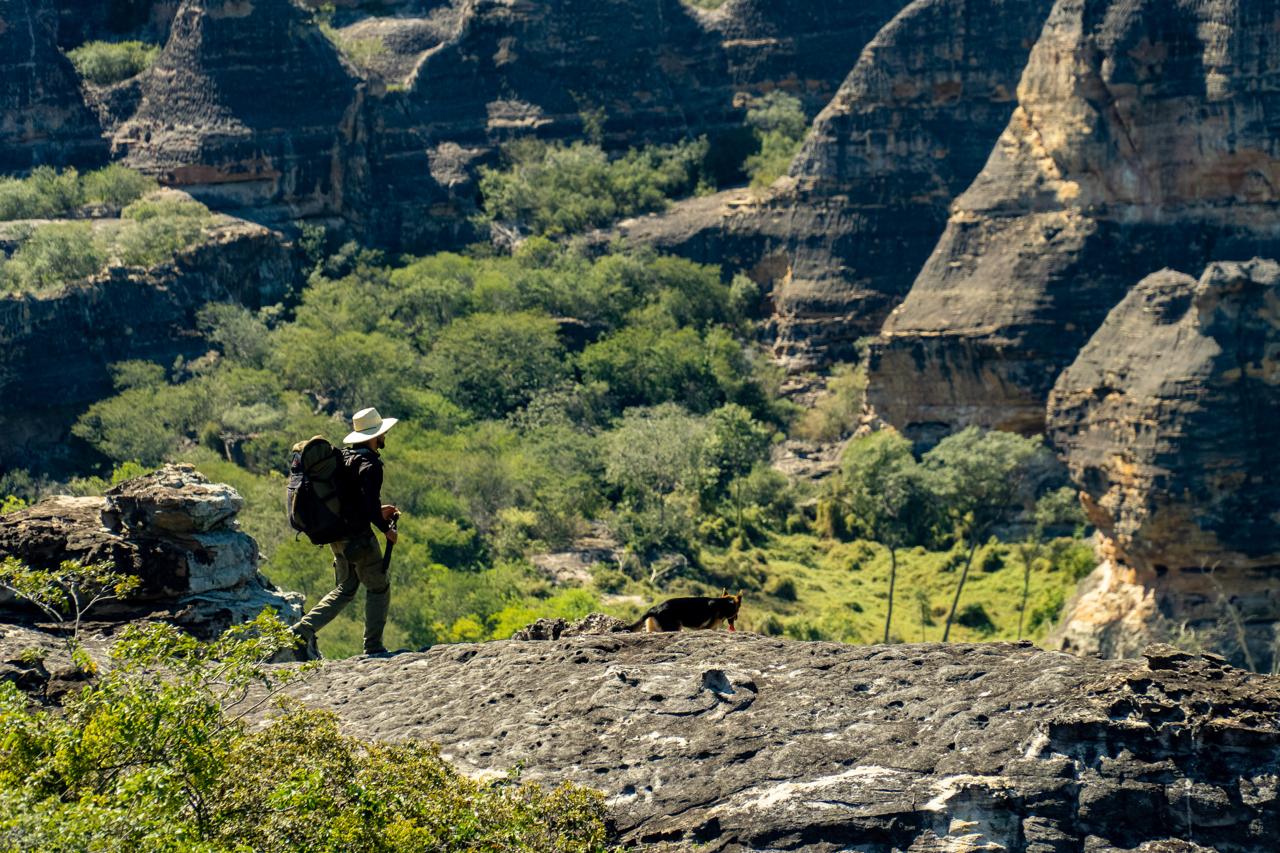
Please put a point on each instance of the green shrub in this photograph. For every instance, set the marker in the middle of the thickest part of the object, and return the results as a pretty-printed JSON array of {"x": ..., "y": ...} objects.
[
  {"x": 779, "y": 123},
  {"x": 783, "y": 589},
  {"x": 564, "y": 189},
  {"x": 48, "y": 194},
  {"x": 54, "y": 254},
  {"x": 975, "y": 616},
  {"x": 45, "y": 194},
  {"x": 116, "y": 186},
  {"x": 157, "y": 755},
  {"x": 153, "y": 230},
  {"x": 104, "y": 62}
]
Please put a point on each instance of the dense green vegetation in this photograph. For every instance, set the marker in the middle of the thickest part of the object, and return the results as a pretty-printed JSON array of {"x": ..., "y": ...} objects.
[
  {"x": 105, "y": 62},
  {"x": 546, "y": 392},
  {"x": 48, "y": 193},
  {"x": 558, "y": 188},
  {"x": 779, "y": 124},
  {"x": 156, "y": 753},
  {"x": 149, "y": 232}
]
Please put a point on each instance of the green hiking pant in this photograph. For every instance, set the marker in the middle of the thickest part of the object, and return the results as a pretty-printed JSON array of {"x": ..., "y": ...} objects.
[{"x": 355, "y": 562}]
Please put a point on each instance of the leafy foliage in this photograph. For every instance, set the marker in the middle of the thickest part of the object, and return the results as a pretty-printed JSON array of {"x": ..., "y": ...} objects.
[
  {"x": 55, "y": 253},
  {"x": 48, "y": 193},
  {"x": 156, "y": 754},
  {"x": 556, "y": 189},
  {"x": 105, "y": 63},
  {"x": 779, "y": 123},
  {"x": 149, "y": 232}
]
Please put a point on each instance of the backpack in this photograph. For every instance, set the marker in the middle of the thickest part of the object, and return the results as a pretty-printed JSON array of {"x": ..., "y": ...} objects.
[{"x": 317, "y": 490}]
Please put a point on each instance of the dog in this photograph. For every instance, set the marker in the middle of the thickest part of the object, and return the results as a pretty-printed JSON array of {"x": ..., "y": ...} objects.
[{"x": 694, "y": 612}]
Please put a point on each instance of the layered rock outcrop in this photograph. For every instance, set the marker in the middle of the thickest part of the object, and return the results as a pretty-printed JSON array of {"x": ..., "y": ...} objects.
[
  {"x": 173, "y": 529},
  {"x": 58, "y": 346},
  {"x": 249, "y": 107},
  {"x": 910, "y": 129},
  {"x": 659, "y": 71},
  {"x": 1169, "y": 420},
  {"x": 43, "y": 117},
  {"x": 842, "y": 237},
  {"x": 743, "y": 742},
  {"x": 1144, "y": 137}
]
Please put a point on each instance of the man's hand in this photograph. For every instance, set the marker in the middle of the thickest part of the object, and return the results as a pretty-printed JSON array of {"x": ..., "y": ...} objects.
[
  {"x": 389, "y": 510},
  {"x": 391, "y": 536}
]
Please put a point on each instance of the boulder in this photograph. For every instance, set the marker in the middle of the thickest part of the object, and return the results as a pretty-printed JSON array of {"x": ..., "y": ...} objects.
[
  {"x": 1168, "y": 423},
  {"x": 720, "y": 741},
  {"x": 173, "y": 529},
  {"x": 1144, "y": 137},
  {"x": 43, "y": 116}
]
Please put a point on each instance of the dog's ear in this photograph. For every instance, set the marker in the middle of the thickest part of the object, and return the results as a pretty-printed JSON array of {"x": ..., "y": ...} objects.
[
  {"x": 739, "y": 596},
  {"x": 724, "y": 592}
]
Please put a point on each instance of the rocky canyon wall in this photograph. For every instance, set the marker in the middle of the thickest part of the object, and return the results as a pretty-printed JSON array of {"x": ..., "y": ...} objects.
[
  {"x": 1168, "y": 420},
  {"x": 43, "y": 116},
  {"x": 57, "y": 347},
  {"x": 1145, "y": 136}
]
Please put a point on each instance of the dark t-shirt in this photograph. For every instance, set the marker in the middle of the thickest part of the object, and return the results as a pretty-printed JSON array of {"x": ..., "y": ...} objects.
[{"x": 364, "y": 467}]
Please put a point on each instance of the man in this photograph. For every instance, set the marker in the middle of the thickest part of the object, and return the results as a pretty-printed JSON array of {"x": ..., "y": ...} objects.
[{"x": 357, "y": 558}]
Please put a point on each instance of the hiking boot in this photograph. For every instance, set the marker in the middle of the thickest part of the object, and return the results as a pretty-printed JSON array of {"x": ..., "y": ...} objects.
[{"x": 305, "y": 648}]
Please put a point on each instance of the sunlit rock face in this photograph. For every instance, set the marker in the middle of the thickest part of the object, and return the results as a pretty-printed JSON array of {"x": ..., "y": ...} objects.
[
  {"x": 734, "y": 742},
  {"x": 249, "y": 106},
  {"x": 1169, "y": 421},
  {"x": 869, "y": 193},
  {"x": 43, "y": 117},
  {"x": 1145, "y": 137}
]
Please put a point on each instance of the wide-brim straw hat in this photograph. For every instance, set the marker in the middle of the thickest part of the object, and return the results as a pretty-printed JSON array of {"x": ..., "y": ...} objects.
[{"x": 368, "y": 424}]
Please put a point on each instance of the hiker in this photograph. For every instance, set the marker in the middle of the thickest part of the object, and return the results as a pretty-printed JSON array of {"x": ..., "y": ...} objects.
[{"x": 356, "y": 557}]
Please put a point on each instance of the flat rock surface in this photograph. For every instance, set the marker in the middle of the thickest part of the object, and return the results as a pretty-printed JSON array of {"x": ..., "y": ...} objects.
[{"x": 746, "y": 742}]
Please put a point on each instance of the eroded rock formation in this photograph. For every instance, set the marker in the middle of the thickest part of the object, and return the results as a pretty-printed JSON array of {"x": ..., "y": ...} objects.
[
  {"x": 842, "y": 237},
  {"x": 1169, "y": 420},
  {"x": 744, "y": 742},
  {"x": 58, "y": 346},
  {"x": 250, "y": 107},
  {"x": 1144, "y": 137},
  {"x": 43, "y": 117},
  {"x": 173, "y": 529}
]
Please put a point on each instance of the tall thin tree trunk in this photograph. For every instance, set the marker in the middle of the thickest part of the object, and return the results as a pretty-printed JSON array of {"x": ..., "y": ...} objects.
[
  {"x": 1026, "y": 590},
  {"x": 955, "y": 602},
  {"x": 893, "y": 577}
]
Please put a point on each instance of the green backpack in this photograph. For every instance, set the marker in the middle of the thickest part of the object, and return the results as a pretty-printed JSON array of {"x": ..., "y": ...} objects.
[{"x": 316, "y": 494}]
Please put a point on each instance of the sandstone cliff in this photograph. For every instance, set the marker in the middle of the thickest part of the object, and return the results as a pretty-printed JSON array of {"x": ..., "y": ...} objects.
[
  {"x": 1144, "y": 137},
  {"x": 57, "y": 346},
  {"x": 741, "y": 742},
  {"x": 841, "y": 239},
  {"x": 249, "y": 107},
  {"x": 1168, "y": 422},
  {"x": 43, "y": 117},
  {"x": 173, "y": 529}
]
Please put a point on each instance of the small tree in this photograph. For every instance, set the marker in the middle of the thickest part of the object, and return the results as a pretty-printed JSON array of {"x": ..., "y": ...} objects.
[
  {"x": 735, "y": 443},
  {"x": 1058, "y": 507},
  {"x": 977, "y": 476},
  {"x": 67, "y": 594},
  {"x": 887, "y": 493}
]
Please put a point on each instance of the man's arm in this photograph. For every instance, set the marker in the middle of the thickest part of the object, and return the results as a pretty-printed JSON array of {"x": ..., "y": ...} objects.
[{"x": 369, "y": 479}]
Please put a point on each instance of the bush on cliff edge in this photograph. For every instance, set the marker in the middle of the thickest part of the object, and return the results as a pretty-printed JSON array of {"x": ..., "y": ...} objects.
[{"x": 157, "y": 754}]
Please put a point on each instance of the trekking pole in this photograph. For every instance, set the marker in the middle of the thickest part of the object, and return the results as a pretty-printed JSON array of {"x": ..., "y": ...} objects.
[{"x": 386, "y": 555}]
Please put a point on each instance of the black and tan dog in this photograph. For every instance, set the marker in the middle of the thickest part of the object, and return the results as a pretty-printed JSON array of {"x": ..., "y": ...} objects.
[{"x": 692, "y": 612}]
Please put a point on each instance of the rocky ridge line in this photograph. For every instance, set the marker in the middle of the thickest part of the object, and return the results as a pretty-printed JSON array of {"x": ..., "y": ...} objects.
[{"x": 744, "y": 742}]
